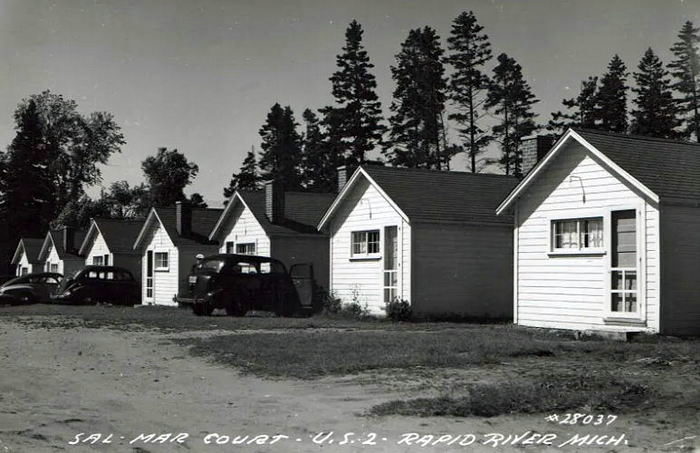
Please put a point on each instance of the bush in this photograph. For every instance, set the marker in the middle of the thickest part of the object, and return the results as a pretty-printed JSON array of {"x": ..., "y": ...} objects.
[
  {"x": 329, "y": 303},
  {"x": 354, "y": 310},
  {"x": 398, "y": 310}
]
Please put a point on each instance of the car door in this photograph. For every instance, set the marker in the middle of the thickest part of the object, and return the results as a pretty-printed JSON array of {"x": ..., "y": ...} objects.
[{"x": 302, "y": 275}]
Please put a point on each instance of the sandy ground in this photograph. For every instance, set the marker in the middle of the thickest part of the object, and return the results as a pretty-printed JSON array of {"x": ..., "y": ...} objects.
[{"x": 56, "y": 383}]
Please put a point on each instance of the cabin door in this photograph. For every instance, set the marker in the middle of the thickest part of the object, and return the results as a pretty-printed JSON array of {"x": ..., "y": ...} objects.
[
  {"x": 391, "y": 263},
  {"x": 149, "y": 276},
  {"x": 623, "y": 265}
]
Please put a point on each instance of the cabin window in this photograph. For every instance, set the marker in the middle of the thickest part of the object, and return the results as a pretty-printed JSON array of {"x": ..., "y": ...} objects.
[
  {"x": 54, "y": 267},
  {"x": 97, "y": 260},
  {"x": 247, "y": 248},
  {"x": 365, "y": 243},
  {"x": 161, "y": 261},
  {"x": 229, "y": 247},
  {"x": 577, "y": 234}
]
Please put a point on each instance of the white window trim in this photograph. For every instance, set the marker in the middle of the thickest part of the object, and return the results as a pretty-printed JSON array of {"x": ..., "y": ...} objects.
[
  {"x": 246, "y": 243},
  {"x": 640, "y": 316},
  {"x": 157, "y": 268},
  {"x": 367, "y": 256},
  {"x": 580, "y": 214}
]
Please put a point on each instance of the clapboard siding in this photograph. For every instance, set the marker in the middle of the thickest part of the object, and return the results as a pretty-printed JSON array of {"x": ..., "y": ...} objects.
[
  {"x": 165, "y": 283},
  {"x": 243, "y": 227},
  {"x": 362, "y": 280},
  {"x": 52, "y": 258},
  {"x": 571, "y": 291},
  {"x": 680, "y": 228},
  {"x": 98, "y": 248},
  {"x": 465, "y": 269},
  {"x": 24, "y": 263}
]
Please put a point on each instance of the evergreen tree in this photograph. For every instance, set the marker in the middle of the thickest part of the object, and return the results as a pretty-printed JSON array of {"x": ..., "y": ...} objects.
[
  {"x": 26, "y": 185},
  {"x": 417, "y": 132},
  {"x": 511, "y": 99},
  {"x": 611, "y": 102},
  {"x": 360, "y": 113},
  {"x": 247, "y": 177},
  {"x": 318, "y": 164},
  {"x": 581, "y": 109},
  {"x": 167, "y": 174},
  {"x": 655, "y": 112},
  {"x": 686, "y": 71},
  {"x": 281, "y": 148},
  {"x": 470, "y": 51}
]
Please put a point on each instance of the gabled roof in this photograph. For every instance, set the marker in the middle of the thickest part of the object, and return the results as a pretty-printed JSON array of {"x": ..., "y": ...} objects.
[
  {"x": 421, "y": 195},
  {"x": 661, "y": 169},
  {"x": 203, "y": 220},
  {"x": 29, "y": 246},
  {"x": 302, "y": 211},
  {"x": 55, "y": 238},
  {"x": 118, "y": 234}
]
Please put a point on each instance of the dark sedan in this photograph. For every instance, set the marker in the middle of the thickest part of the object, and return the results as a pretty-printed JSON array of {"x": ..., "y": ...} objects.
[
  {"x": 99, "y": 284},
  {"x": 241, "y": 283},
  {"x": 30, "y": 288}
]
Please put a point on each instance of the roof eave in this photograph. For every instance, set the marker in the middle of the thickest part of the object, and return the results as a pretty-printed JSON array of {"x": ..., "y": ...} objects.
[{"x": 571, "y": 134}]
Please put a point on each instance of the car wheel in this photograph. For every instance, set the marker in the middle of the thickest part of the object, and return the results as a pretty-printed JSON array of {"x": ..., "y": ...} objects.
[{"x": 202, "y": 309}]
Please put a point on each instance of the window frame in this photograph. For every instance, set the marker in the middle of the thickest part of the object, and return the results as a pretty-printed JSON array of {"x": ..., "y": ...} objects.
[
  {"x": 157, "y": 262},
  {"x": 554, "y": 250},
  {"x": 367, "y": 255},
  {"x": 246, "y": 244}
]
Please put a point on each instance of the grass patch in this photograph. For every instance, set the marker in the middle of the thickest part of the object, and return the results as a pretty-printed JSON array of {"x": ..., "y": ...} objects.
[
  {"x": 313, "y": 354},
  {"x": 548, "y": 393}
]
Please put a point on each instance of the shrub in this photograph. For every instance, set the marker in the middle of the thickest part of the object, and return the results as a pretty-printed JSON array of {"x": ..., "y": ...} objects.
[
  {"x": 329, "y": 303},
  {"x": 398, "y": 310}
]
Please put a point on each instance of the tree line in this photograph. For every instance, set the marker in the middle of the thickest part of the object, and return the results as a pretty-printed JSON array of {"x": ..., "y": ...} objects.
[{"x": 438, "y": 90}]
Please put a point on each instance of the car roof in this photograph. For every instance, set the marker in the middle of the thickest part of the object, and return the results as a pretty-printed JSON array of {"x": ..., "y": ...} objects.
[
  {"x": 248, "y": 258},
  {"x": 105, "y": 269}
]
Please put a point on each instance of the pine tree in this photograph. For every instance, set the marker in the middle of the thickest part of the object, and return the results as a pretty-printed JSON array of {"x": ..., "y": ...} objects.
[
  {"x": 417, "y": 134},
  {"x": 582, "y": 109},
  {"x": 281, "y": 148},
  {"x": 511, "y": 99},
  {"x": 470, "y": 51},
  {"x": 655, "y": 112},
  {"x": 319, "y": 164},
  {"x": 611, "y": 102},
  {"x": 247, "y": 177},
  {"x": 360, "y": 112},
  {"x": 686, "y": 70}
]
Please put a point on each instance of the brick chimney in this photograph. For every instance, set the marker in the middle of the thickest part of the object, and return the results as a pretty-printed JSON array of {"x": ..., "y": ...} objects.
[
  {"x": 533, "y": 149},
  {"x": 183, "y": 218},
  {"x": 274, "y": 201},
  {"x": 68, "y": 239},
  {"x": 342, "y": 176}
]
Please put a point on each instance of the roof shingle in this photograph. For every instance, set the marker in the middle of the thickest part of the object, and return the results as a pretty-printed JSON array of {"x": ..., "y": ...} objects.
[
  {"x": 302, "y": 211},
  {"x": 444, "y": 196}
]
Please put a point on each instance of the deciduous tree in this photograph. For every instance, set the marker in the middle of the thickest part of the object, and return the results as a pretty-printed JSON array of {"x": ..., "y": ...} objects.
[{"x": 167, "y": 174}]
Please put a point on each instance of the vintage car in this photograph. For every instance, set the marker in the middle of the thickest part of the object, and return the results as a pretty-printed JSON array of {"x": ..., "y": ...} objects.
[
  {"x": 241, "y": 283},
  {"x": 99, "y": 284},
  {"x": 30, "y": 288}
]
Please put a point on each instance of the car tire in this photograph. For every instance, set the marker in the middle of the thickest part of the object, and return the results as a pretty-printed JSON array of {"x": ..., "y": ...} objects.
[{"x": 202, "y": 309}]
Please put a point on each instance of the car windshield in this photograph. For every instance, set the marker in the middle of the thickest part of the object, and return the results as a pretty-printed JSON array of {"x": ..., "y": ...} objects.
[{"x": 255, "y": 267}]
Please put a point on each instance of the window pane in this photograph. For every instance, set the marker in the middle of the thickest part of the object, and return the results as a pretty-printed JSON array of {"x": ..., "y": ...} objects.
[
  {"x": 592, "y": 233},
  {"x": 617, "y": 280},
  {"x": 630, "y": 302},
  {"x": 617, "y": 302},
  {"x": 373, "y": 242},
  {"x": 631, "y": 280}
]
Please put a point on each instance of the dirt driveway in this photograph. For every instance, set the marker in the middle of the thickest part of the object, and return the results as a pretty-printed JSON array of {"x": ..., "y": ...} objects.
[{"x": 56, "y": 383}]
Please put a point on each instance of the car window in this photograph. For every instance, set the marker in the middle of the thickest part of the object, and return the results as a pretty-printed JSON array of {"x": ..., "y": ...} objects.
[
  {"x": 51, "y": 280},
  {"x": 211, "y": 265},
  {"x": 92, "y": 275}
]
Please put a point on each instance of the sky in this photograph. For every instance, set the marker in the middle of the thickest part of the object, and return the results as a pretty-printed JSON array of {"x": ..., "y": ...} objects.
[{"x": 200, "y": 76}]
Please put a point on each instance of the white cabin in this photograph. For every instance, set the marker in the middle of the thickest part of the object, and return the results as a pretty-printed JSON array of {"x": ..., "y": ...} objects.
[
  {"x": 110, "y": 242},
  {"x": 59, "y": 251},
  {"x": 428, "y": 237},
  {"x": 168, "y": 244},
  {"x": 607, "y": 235},
  {"x": 278, "y": 224},
  {"x": 26, "y": 257}
]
